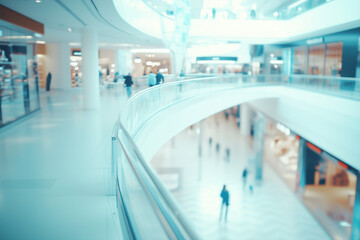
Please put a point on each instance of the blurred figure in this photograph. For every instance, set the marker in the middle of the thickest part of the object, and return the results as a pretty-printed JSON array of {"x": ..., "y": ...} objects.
[
  {"x": 128, "y": 83},
  {"x": 159, "y": 78},
  {"x": 227, "y": 154},
  {"x": 210, "y": 141},
  {"x": 182, "y": 74},
  {"x": 244, "y": 177},
  {"x": 251, "y": 189},
  {"x": 225, "y": 201},
  {"x": 48, "y": 82},
  {"x": 77, "y": 81},
  {"x": 116, "y": 77},
  {"x": 217, "y": 147},
  {"x": 151, "y": 79}
]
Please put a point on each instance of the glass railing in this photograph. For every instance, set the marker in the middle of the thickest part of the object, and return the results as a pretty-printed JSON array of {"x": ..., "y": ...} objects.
[
  {"x": 238, "y": 10},
  {"x": 146, "y": 208}
]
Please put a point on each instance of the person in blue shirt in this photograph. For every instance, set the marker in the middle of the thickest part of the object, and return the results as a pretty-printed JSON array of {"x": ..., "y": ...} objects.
[
  {"x": 225, "y": 201},
  {"x": 152, "y": 79}
]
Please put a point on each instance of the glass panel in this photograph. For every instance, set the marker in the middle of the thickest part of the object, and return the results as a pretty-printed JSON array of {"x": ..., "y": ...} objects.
[
  {"x": 12, "y": 100},
  {"x": 330, "y": 194},
  {"x": 18, "y": 79},
  {"x": 316, "y": 60},
  {"x": 300, "y": 63},
  {"x": 333, "y": 59},
  {"x": 32, "y": 77},
  {"x": 141, "y": 188}
]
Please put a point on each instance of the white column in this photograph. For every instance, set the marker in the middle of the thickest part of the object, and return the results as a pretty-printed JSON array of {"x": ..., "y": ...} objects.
[
  {"x": 58, "y": 64},
  {"x": 123, "y": 61},
  {"x": 245, "y": 120},
  {"x": 90, "y": 69}
]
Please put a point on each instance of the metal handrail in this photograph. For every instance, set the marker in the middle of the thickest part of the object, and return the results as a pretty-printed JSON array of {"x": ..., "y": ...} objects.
[
  {"x": 169, "y": 224},
  {"x": 170, "y": 215}
]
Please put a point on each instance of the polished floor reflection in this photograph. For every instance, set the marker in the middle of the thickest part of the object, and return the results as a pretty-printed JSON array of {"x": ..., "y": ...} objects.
[
  {"x": 54, "y": 170},
  {"x": 270, "y": 211}
]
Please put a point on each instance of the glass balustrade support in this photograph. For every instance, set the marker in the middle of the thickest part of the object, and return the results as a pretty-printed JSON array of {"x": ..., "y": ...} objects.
[
  {"x": 126, "y": 229},
  {"x": 178, "y": 223},
  {"x": 148, "y": 205}
]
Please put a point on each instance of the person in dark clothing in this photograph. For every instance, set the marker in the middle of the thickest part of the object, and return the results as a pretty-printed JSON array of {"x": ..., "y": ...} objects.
[
  {"x": 48, "y": 82},
  {"x": 217, "y": 147},
  {"x": 225, "y": 201},
  {"x": 159, "y": 78},
  {"x": 227, "y": 154},
  {"x": 244, "y": 176},
  {"x": 128, "y": 83}
]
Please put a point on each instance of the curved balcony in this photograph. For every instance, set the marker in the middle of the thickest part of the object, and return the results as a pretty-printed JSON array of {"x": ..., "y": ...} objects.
[{"x": 154, "y": 115}]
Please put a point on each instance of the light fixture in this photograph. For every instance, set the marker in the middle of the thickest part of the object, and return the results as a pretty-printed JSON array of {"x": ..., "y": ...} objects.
[
  {"x": 296, "y": 4},
  {"x": 276, "y": 61},
  {"x": 160, "y": 50},
  {"x": 275, "y": 14},
  {"x": 271, "y": 55},
  {"x": 38, "y": 1},
  {"x": 40, "y": 42},
  {"x": 137, "y": 60},
  {"x": 69, "y": 29}
]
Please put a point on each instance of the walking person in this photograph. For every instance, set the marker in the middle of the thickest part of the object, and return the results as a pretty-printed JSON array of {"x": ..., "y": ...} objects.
[
  {"x": 128, "y": 83},
  {"x": 210, "y": 141},
  {"x": 217, "y": 147},
  {"x": 244, "y": 176},
  {"x": 151, "y": 79},
  {"x": 227, "y": 154},
  {"x": 159, "y": 78},
  {"x": 48, "y": 82},
  {"x": 225, "y": 201}
]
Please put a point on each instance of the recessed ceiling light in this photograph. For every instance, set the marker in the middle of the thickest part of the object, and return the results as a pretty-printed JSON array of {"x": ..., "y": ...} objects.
[
  {"x": 69, "y": 29},
  {"x": 276, "y": 14},
  {"x": 38, "y": 1}
]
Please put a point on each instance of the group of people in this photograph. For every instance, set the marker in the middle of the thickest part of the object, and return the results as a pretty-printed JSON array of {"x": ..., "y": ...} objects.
[{"x": 155, "y": 79}]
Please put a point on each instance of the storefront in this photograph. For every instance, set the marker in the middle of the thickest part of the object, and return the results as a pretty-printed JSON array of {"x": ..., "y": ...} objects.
[
  {"x": 19, "y": 84},
  {"x": 281, "y": 151},
  {"x": 325, "y": 184},
  {"x": 328, "y": 55},
  {"x": 329, "y": 190}
]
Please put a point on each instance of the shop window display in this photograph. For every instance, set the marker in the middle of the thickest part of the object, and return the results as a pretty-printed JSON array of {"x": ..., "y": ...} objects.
[
  {"x": 19, "y": 90},
  {"x": 282, "y": 152},
  {"x": 330, "y": 193}
]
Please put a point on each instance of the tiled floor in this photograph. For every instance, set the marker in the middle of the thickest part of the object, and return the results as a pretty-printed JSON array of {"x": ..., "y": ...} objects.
[
  {"x": 54, "y": 170},
  {"x": 271, "y": 212}
]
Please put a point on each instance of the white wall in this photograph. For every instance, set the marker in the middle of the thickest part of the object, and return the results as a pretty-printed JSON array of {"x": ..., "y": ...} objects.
[
  {"x": 329, "y": 122},
  {"x": 58, "y": 63}
]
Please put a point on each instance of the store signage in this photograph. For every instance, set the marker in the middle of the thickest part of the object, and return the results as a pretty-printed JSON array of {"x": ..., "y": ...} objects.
[
  {"x": 234, "y": 59},
  {"x": 315, "y": 41},
  {"x": 344, "y": 165},
  {"x": 314, "y": 148},
  {"x": 76, "y": 53},
  {"x": 216, "y": 60}
]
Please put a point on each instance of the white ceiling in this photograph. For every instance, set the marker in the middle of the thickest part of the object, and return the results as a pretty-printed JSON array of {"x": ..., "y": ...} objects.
[
  {"x": 59, "y": 15},
  {"x": 115, "y": 32}
]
